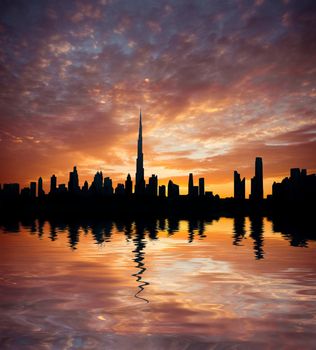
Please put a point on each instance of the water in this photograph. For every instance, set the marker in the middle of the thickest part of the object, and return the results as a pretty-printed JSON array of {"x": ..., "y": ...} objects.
[{"x": 227, "y": 284}]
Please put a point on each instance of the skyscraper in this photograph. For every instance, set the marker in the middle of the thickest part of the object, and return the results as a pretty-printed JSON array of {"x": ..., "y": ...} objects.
[
  {"x": 153, "y": 186},
  {"x": 239, "y": 186},
  {"x": 108, "y": 186},
  {"x": 33, "y": 189},
  {"x": 128, "y": 185},
  {"x": 201, "y": 187},
  {"x": 173, "y": 190},
  {"x": 73, "y": 183},
  {"x": 190, "y": 185},
  {"x": 40, "y": 187},
  {"x": 53, "y": 184},
  {"x": 140, "y": 180},
  {"x": 97, "y": 183},
  {"x": 257, "y": 181}
]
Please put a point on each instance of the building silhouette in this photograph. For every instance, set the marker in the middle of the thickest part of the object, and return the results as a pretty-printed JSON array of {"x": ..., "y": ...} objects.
[
  {"x": 53, "y": 184},
  {"x": 62, "y": 188},
  {"x": 128, "y": 186},
  {"x": 173, "y": 190},
  {"x": 191, "y": 185},
  {"x": 201, "y": 187},
  {"x": 152, "y": 187},
  {"x": 298, "y": 187},
  {"x": 85, "y": 187},
  {"x": 41, "y": 192},
  {"x": 108, "y": 186},
  {"x": 73, "y": 183},
  {"x": 239, "y": 186},
  {"x": 139, "y": 179},
  {"x": 97, "y": 183},
  {"x": 257, "y": 181},
  {"x": 33, "y": 189}
]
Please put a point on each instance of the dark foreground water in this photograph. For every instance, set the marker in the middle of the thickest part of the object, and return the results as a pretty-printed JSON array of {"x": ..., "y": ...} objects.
[{"x": 227, "y": 284}]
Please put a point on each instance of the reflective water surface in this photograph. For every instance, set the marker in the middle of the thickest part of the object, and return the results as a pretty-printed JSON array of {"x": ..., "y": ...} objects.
[{"x": 157, "y": 284}]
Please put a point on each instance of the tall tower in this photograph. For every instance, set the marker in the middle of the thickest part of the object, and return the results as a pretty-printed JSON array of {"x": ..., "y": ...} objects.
[
  {"x": 259, "y": 177},
  {"x": 53, "y": 184},
  {"x": 191, "y": 185},
  {"x": 239, "y": 186},
  {"x": 73, "y": 183},
  {"x": 140, "y": 180},
  {"x": 128, "y": 186},
  {"x": 40, "y": 187},
  {"x": 257, "y": 181}
]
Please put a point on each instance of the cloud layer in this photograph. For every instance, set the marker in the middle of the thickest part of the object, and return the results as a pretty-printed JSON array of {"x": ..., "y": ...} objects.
[{"x": 219, "y": 83}]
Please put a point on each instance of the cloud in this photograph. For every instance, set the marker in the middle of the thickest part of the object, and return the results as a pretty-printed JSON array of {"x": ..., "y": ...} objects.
[{"x": 218, "y": 85}]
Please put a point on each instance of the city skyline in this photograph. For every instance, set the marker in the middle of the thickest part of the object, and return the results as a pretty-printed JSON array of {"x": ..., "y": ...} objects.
[
  {"x": 298, "y": 185},
  {"x": 216, "y": 93}
]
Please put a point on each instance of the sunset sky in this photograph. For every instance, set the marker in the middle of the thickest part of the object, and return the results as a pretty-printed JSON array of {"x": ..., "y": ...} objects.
[{"x": 219, "y": 83}]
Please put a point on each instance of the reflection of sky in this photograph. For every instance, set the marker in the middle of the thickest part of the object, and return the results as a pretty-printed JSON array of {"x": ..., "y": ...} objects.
[
  {"x": 209, "y": 290},
  {"x": 218, "y": 83}
]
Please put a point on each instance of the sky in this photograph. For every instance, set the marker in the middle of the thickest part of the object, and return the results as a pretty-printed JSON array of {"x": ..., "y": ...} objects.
[{"x": 219, "y": 83}]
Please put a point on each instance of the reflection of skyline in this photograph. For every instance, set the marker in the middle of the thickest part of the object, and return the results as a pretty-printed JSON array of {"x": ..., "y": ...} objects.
[
  {"x": 197, "y": 294},
  {"x": 141, "y": 232},
  {"x": 139, "y": 257},
  {"x": 256, "y": 233},
  {"x": 297, "y": 233},
  {"x": 239, "y": 230}
]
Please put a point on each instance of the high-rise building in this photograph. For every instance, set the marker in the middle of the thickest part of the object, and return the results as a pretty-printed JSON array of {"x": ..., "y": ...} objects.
[
  {"x": 140, "y": 180},
  {"x": 239, "y": 186},
  {"x": 108, "y": 187},
  {"x": 152, "y": 188},
  {"x": 190, "y": 185},
  {"x": 40, "y": 187},
  {"x": 201, "y": 187},
  {"x": 97, "y": 183},
  {"x": 33, "y": 189},
  {"x": 53, "y": 184},
  {"x": 257, "y": 181},
  {"x": 73, "y": 183},
  {"x": 173, "y": 190},
  {"x": 128, "y": 186}
]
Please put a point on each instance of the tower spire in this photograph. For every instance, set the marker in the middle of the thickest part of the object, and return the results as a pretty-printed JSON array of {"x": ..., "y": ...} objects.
[
  {"x": 140, "y": 124},
  {"x": 140, "y": 181}
]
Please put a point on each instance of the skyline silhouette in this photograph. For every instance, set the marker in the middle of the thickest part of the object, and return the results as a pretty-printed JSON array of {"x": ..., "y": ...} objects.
[{"x": 298, "y": 181}]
